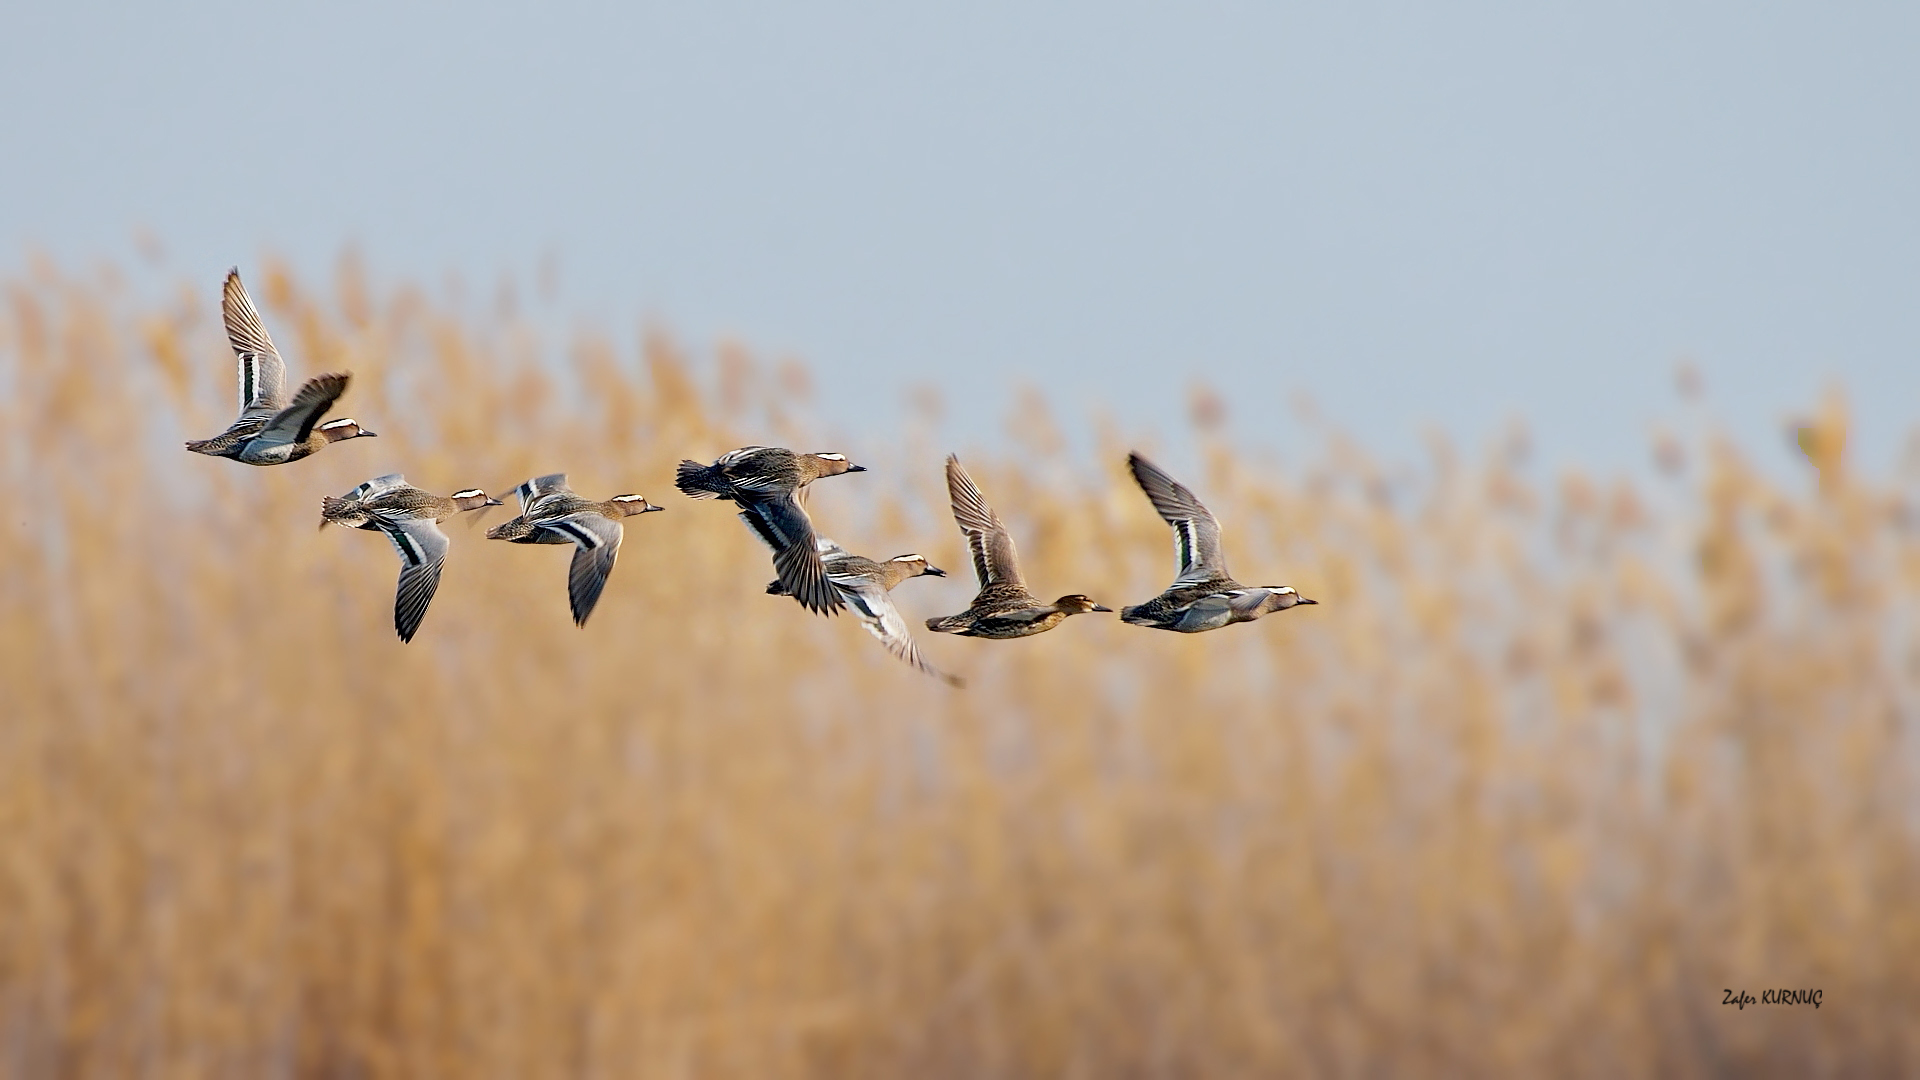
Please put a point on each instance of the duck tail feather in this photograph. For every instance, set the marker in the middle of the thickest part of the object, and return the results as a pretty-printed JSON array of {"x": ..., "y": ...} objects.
[{"x": 699, "y": 481}]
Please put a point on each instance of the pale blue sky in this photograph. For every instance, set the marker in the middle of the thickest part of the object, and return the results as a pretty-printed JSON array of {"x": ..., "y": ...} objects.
[{"x": 1415, "y": 213}]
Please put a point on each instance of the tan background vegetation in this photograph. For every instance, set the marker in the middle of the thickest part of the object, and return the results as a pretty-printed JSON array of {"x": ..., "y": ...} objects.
[{"x": 1554, "y": 763}]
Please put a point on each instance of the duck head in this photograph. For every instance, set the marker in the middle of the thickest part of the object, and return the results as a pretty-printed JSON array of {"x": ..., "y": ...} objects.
[
  {"x": 1078, "y": 604},
  {"x": 472, "y": 499},
  {"x": 629, "y": 505},
  {"x": 1283, "y": 597},
  {"x": 901, "y": 567},
  {"x": 915, "y": 565},
  {"x": 833, "y": 464},
  {"x": 343, "y": 429}
]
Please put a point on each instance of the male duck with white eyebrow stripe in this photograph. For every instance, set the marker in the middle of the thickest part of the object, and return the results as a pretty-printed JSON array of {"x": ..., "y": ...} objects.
[
  {"x": 270, "y": 431},
  {"x": 550, "y": 513},
  {"x": 1203, "y": 597},
  {"x": 411, "y": 519},
  {"x": 769, "y": 483}
]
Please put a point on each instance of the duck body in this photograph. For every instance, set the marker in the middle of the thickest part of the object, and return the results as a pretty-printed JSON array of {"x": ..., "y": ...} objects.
[
  {"x": 1003, "y": 608},
  {"x": 769, "y": 485},
  {"x": 1192, "y": 609},
  {"x": 410, "y": 518},
  {"x": 354, "y": 510},
  {"x": 754, "y": 474},
  {"x": 1203, "y": 596},
  {"x": 271, "y": 430},
  {"x": 402, "y": 502},
  {"x": 864, "y": 585},
  {"x": 552, "y": 513},
  {"x": 1004, "y": 611}
]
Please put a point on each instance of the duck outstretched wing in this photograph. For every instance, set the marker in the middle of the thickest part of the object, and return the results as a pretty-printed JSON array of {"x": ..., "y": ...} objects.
[
  {"x": 539, "y": 487},
  {"x": 263, "y": 375},
  {"x": 597, "y": 545},
  {"x": 423, "y": 552},
  {"x": 995, "y": 562},
  {"x": 295, "y": 423},
  {"x": 783, "y": 525},
  {"x": 1196, "y": 535},
  {"x": 873, "y": 605}
]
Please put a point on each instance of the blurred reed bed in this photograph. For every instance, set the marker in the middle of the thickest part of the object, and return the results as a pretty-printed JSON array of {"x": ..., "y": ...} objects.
[{"x": 1553, "y": 765}]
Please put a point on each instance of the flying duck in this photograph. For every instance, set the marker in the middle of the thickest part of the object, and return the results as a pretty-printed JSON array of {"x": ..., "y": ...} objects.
[
  {"x": 1203, "y": 596},
  {"x": 1004, "y": 608},
  {"x": 270, "y": 430}
]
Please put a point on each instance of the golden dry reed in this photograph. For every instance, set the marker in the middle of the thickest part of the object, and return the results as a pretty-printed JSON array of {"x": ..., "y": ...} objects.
[{"x": 1553, "y": 766}]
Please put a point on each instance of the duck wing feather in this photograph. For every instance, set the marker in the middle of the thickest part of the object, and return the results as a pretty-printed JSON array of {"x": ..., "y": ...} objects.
[
  {"x": 539, "y": 487},
  {"x": 873, "y": 605},
  {"x": 761, "y": 472},
  {"x": 995, "y": 562},
  {"x": 369, "y": 489},
  {"x": 1196, "y": 535},
  {"x": 423, "y": 552},
  {"x": 263, "y": 375},
  {"x": 295, "y": 423},
  {"x": 348, "y": 509},
  {"x": 597, "y": 545},
  {"x": 784, "y": 526}
]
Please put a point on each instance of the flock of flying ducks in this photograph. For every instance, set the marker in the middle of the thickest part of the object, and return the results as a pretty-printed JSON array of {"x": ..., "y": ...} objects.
[{"x": 768, "y": 484}]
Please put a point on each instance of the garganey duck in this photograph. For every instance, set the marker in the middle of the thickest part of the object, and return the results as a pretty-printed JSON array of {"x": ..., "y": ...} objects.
[
  {"x": 1004, "y": 608},
  {"x": 270, "y": 431},
  {"x": 411, "y": 519},
  {"x": 863, "y": 585},
  {"x": 1203, "y": 597},
  {"x": 550, "y": 513},
  {"x": 769, "y": 484}
]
